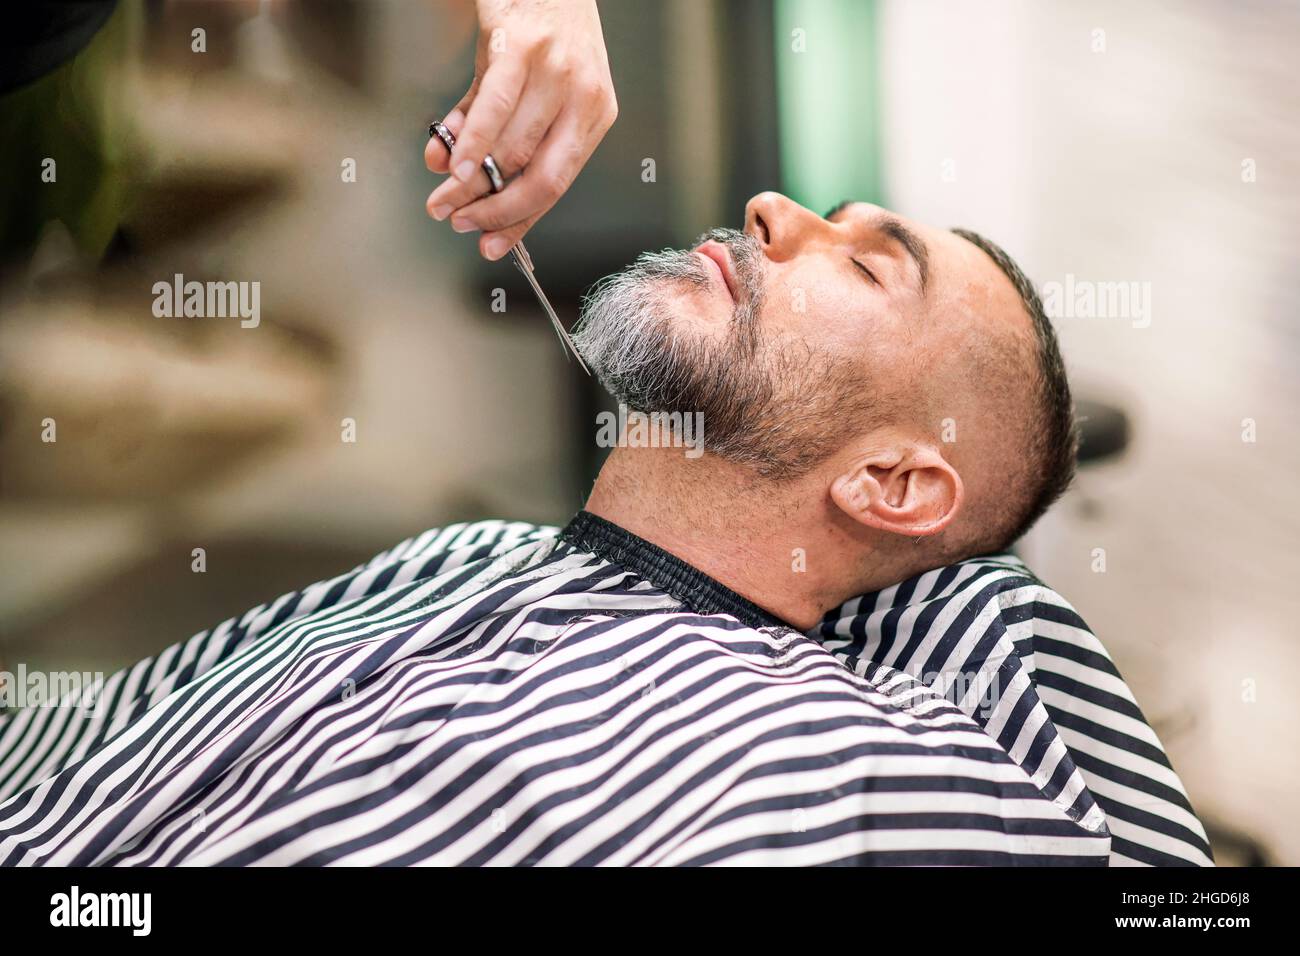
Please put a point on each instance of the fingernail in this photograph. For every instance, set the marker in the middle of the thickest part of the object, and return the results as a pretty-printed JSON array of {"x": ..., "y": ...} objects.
[
  {"x": 441, "y": 212},
  {"x": 465, "y": 170},
  {"x": 495, "y": 248},
  {"x": 461, "y": 224}
]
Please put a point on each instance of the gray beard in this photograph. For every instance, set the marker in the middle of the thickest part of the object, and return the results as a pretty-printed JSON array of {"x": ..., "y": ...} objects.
[{"x": 779, "y": 406}]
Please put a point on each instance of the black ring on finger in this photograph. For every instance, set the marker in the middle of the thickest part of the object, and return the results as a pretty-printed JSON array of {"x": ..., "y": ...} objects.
[{"x": 493, "y": 174}]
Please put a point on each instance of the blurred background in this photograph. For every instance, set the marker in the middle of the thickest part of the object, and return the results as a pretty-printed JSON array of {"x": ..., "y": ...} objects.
[{"x": 1109, "y": 142}]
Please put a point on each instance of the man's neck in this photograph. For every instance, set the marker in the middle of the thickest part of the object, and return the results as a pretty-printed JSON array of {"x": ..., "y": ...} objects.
[{"x": 783, "y": 546}]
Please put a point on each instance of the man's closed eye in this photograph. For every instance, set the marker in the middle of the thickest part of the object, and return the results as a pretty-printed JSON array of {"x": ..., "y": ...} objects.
[{"x": 866, "y": 271}]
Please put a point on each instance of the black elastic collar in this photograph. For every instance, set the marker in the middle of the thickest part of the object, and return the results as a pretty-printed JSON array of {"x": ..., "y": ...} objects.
[{"x": 664, "y": 570}]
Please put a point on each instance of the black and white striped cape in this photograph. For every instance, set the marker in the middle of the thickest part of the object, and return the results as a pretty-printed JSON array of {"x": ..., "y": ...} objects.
[{"x": 497, "y": 693}]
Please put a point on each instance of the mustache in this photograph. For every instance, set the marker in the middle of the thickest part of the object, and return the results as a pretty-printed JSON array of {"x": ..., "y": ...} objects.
[{"x": 685, "y": 266}]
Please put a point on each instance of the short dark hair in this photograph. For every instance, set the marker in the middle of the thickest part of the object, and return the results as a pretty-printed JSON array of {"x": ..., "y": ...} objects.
[{"x": 1053, "y": 435}]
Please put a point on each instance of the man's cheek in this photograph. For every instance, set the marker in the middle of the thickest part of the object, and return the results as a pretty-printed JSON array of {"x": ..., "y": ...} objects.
[{"x": 800, "y": 298}]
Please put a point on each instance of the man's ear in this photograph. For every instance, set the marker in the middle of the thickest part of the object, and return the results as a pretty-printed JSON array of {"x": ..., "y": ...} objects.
[{"x": 910, "y": 490}]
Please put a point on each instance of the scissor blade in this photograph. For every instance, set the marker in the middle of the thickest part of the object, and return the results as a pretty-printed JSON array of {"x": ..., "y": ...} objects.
[{"x": 555, "y": 319}]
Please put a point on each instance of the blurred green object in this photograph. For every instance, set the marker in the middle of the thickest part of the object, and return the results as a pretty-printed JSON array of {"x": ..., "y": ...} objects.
[
  {"x": 826, "y": 75},
  {"x": 73, "y": 116}
]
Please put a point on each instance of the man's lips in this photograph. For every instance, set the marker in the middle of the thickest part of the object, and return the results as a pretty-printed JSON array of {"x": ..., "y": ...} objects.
[{"x": 718, "y": 254}]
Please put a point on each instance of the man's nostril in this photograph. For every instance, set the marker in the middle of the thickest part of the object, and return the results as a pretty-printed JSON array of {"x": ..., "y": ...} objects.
[{"x": 762, "y": 229}]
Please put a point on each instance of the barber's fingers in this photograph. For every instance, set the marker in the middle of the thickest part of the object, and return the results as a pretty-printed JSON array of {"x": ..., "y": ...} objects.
[
  {"x": 498, "y": 97},
  {"x": 435, "y": 154},
  {"x": 508, "y": 215},
  {"x": 537, "y": 110}
]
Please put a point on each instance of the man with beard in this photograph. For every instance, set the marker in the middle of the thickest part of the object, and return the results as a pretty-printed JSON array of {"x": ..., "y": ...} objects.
[{"x": 787, "y": 650}]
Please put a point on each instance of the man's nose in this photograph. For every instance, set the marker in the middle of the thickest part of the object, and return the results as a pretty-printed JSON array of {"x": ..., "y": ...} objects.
[{"x": 780, "y": 224}]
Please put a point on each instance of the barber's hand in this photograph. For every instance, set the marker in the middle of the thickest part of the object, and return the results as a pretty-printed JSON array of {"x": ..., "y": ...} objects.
[{"x": 540, "y": 103}]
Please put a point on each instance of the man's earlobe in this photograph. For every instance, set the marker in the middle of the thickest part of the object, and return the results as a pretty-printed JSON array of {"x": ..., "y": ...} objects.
[{"x": 916, "y": 493}]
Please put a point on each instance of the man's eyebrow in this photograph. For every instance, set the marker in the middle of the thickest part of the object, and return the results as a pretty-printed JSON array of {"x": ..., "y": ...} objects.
[
  {"x": 896, "y": 230},
  {"x": 914, "y": 244}
]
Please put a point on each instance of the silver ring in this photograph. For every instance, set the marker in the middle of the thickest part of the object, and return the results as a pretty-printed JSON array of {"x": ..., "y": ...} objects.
[
  {"x": 444, "y": 134},
  {"x": 493, "y": 174}
]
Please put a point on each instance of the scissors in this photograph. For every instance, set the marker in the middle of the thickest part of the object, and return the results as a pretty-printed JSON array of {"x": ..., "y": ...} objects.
[{"x": 523, "y": 261}]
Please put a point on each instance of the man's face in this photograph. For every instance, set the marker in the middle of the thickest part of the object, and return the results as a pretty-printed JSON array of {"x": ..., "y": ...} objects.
[{"x": 802, "y": 330}]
